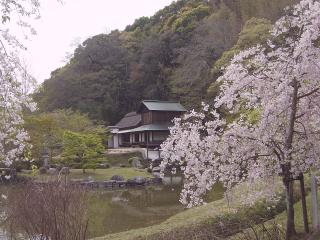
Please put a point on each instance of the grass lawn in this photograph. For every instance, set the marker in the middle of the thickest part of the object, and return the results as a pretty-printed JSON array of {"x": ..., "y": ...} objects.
[
  {"x": 298, "y": 220},
  {"x": 116, "y": 160},
  {"x": 98, "y": 174},
  {"x": 281, "y": 219}
]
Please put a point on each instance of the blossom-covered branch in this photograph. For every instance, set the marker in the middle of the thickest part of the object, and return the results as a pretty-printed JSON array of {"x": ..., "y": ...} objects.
[
  {"x": 14, "y": 79},
  {"x": 272, "y": 92}
]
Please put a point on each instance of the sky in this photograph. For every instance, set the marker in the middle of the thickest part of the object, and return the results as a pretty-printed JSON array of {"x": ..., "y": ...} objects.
[{"x": 63, "y": 26}]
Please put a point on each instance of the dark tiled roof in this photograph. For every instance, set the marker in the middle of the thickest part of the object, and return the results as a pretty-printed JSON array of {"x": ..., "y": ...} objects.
[
  {"x": 155, "y": 105},
  {"x": 149, "y": 127},
  {"x": 130, "y": 120}
]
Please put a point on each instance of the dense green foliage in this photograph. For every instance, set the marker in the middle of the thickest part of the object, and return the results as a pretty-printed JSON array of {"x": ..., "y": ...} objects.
[
  {"x": 81, "y": 148},
  {"x": 174, "y": 55},
  {"x": 47, "y": 131}
]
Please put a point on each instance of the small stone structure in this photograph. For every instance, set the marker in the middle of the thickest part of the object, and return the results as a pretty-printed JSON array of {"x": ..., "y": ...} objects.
[
  {"x": 65, "y": 170},
  {"x": 136, "y": 162},
  {"x": 117, "y": 178},
  {"x": 52, "y": 171}
]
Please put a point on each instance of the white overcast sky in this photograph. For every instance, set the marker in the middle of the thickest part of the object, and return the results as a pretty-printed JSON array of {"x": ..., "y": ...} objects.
[{"x": 62, "y": 25}]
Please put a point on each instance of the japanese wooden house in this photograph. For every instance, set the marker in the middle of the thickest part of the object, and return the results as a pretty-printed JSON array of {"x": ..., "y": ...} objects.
[{"x": 148, "y": 126}]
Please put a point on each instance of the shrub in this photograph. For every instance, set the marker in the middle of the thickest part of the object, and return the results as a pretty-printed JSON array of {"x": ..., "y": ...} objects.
[
  {"x": 90, "y": 166},
  {"x": 76, "y": 165},
  {"x": 42, "y": 170},
  {"x": 52, "y": 211},
  {"x": 20, "y": 165}
]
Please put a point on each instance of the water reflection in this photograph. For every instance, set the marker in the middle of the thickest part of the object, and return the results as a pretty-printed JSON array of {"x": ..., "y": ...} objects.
[{"x": 118, "y": 211}]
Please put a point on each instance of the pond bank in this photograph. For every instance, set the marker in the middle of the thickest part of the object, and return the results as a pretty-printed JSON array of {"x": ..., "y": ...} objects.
[
  {"x": 191, "y": 218},
  {"x": 217, "y": 220}
]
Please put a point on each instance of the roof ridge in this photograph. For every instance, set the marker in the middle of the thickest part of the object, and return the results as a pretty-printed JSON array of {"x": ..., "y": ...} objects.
[{"x": 160, "y": 101}]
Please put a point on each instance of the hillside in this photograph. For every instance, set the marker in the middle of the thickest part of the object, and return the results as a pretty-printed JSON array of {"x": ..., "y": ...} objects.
[{"x": 175, "y": 54}]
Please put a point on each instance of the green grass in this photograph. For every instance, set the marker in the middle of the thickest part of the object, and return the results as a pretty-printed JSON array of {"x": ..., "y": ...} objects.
[
  {"x": 281, "y": 219},
  {"x": 98, "y": 174},
  {"x": 118, "y": 159},
  {"x": 298, "y": 220}
]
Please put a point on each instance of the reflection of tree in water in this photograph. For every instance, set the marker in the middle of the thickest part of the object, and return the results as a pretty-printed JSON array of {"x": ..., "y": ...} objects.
[
  {"x": 116, "y": 211},
  {"x": 150, "y": 196}
]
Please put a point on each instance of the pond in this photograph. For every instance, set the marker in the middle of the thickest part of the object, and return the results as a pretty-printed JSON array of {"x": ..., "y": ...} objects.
[{"x": 125, "y": 209}]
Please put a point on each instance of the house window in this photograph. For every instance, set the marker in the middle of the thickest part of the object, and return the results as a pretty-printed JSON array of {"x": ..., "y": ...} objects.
[
  {"x": 136, "y": 137},
  {"x": 160, "y": 136},
  {"x": 126, "y": 138}
]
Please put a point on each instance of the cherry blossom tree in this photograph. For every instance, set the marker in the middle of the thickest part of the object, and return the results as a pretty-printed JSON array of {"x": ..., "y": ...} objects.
[
  {"x": 190, "y": 146},
  {"x": 273, "y": 94},
  {"x": 15, "y": 81}
]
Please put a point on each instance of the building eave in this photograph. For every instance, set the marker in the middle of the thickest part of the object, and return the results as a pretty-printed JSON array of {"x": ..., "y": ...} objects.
[{"x": 149, "y": 127}]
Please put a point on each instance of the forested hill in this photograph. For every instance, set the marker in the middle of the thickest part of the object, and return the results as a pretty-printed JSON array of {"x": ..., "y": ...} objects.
[{"x": 175, "y": 54}]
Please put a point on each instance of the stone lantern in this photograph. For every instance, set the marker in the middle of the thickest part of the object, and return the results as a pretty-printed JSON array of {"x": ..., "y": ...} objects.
[{"x": 45, "y": 157}]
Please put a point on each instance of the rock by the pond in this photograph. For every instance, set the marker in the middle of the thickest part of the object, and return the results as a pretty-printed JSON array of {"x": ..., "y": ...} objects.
[
  {"x": 59, "y": 167},
  {"x": 155, "y": 180},
  {"x": 156, "y": 169},
  {"x": 117, "y": 178},
  {"x": 104, "y": 165},
  {"x": 65, "y": 170},
  {"x": 156, "y": 174},
  {"x": 52, "y": 171},
  {"x": 135, "y": 162},
  {"x": 42, "y": 170},
  {"x": 156, "y": 162},
  {"x": 107, "y": 184},
  {"x": 88, "y": 179},
  {"x": 137, "y": 180}
]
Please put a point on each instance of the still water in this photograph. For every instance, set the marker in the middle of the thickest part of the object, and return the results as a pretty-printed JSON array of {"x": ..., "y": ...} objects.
[
  {"x": 118, "y": 211},
  {"x": 125, "y": 209}
]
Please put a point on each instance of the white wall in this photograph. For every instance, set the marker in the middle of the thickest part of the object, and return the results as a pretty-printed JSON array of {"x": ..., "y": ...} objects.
[{"x": 115, "y": 141}]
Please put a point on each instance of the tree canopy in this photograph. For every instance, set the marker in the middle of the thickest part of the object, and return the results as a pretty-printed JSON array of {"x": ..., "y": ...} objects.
[
  {"x": 47, "y": 131},
  {"x": 82, "y": 148},
  {"x": 168, "y": 56}
]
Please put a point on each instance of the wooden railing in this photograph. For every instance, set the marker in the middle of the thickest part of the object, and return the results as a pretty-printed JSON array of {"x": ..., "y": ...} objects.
[{"x": 141, "y": 144}]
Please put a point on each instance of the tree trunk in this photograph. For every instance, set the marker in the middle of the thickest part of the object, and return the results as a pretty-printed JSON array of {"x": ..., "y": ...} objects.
[
  {"x": 304, "y": 204},
  {"x": 287, "y": 175},
  {"x": 290, "y": 231}
]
